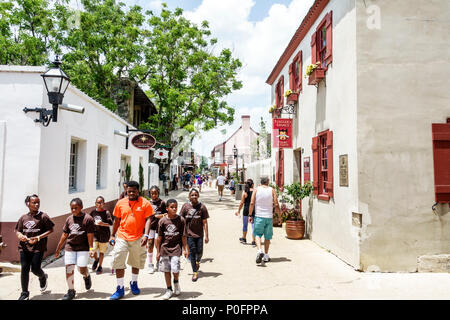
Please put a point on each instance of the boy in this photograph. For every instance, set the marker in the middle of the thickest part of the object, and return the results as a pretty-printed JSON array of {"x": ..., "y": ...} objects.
[
  {"x": 171, "y": 237},
  {"x": 79, "y": 233},
  {"x": 102, "y": 233}
]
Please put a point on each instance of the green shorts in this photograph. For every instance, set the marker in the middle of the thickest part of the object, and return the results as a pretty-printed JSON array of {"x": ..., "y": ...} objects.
[{"x": 263, "y": 226}]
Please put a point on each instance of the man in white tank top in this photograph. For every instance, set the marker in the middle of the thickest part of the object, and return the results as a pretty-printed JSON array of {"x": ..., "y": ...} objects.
[{"x": 263, "y": 200}]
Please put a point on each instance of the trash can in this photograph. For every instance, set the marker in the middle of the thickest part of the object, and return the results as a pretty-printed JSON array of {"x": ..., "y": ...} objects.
[{"x": 239, "y": 190}]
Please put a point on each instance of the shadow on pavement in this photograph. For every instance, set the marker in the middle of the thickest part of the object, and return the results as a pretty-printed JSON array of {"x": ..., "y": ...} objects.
[
  {"x": 207, "y": 260},
  {"x": 202, "y": 274},
  {"x": 281, "y": 259},
  {"x": 189, "y": 295}
]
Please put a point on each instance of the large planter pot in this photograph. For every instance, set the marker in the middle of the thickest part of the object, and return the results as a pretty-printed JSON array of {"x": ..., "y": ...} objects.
[
  {"x": 295, "y": 229},
  {"x": 316, "y": 76}
]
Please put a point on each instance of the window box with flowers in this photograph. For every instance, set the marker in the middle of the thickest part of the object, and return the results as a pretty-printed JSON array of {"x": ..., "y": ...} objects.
[
  {"x": 315, "y": 74},
  {"x": 291, "y": 96}
]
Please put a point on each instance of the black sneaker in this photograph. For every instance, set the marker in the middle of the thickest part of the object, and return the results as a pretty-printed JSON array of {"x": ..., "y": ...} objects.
[
  {"x": 99, "y": 270},
  {"x": 243, "y": 240},
  {"x": 87, "y": 282},
  {"x": 69, "y": 295},
  {"x": 25, "y": 295},
  {"x": 94, "y": 266},
  {"x": 259, "y": 257},
  {"x": 253, "y": 244},
  {"x": 43, "y": 282}
]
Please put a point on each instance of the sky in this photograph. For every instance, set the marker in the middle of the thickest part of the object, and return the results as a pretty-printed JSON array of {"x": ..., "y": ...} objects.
[{"x": 257, "y": 32}]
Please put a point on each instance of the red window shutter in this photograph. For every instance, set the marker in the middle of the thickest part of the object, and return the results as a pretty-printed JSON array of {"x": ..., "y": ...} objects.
[
  {"x": 314, "y": 48},
  {"x": 329, "y": 26},
  {"x": 441, "y": 157},
  {"x": 330, "y": 163},
  {"x": 281, "y": 168},
  {"x": 315, "y": 164},
  {"x": 291, "y": 77},
  {"x": 282, "y": 92},
  {"x": 300, "y": 67}
]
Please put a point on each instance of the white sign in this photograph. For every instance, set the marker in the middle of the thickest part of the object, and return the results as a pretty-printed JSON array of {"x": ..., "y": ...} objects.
[{"x": 161, "y": 154}]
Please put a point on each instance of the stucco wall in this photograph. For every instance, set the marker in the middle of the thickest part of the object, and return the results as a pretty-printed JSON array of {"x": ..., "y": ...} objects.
[
  {"x": 403, "y": 70},
  {"x": 332, "y": 106}
]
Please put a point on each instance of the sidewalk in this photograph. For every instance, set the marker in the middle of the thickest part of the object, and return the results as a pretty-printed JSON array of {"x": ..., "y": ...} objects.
[{"x": 299, "y": 270}]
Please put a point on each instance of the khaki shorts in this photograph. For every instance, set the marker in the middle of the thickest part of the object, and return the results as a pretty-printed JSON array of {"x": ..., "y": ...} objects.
[
  {"x": 136, "y": 254},
  {"x": 220, "y": 188},
  {"x": 101, "y": 246}
]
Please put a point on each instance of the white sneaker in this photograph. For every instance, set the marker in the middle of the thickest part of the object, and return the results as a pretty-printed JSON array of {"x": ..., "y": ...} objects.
[
  {"x": 177, "y": 289},
  {"x": 168, "y": 294},
  {"x": 266, "y": 258},
  {"x": 151, "y": 268}
]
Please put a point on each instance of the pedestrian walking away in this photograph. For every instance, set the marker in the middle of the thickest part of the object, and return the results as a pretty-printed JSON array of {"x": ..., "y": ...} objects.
[
  {"x": 200, "y": 182},
  {"x": 102, "y": 233},
  {"x": 79, "y": 233},
  {"x": 32, "y": 229},
  {"x": 196, "y": 215},
  {"x": 169, "y": 244},
  {"x": 132, "y": 218},
  {"x": 220, "y": 184},
  {"x": 124, "y": 192},
  {"x": 159, "y": 208},
  {"x": 263, "y": 200},
  {"x": 245, "y": 202}
]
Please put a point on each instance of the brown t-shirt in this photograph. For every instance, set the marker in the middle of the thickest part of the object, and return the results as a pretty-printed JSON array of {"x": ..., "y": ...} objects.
[
  {"x": 159, "y": 207},
  {"x": 172, "y": 231},
  {"x": 194, "y": 218},
  {"x": 33, "y": 226},
  {"x": 78, "y": 228},
  {"x": 102, "y": 234}
]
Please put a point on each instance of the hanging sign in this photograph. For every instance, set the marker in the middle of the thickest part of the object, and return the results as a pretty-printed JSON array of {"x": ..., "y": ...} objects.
[
  {"x": 282, "y": 133},
  {"x": 143, "y": 141},
  {"x": 161, "y": 154}
]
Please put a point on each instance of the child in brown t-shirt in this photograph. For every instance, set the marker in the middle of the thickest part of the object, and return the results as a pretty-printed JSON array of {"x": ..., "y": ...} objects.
[
  {"x": 159, "y": 207},
  {"x": 32, "y": 229},
  {"x": 79, "y": 233},
  {"x": 170, "y": 242}
]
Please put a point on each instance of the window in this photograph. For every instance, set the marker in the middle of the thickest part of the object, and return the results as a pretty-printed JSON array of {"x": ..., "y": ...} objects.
[
  {"x": 73, "y": 165},
  {"x": 322, "y": 147},
  {"x": 279, "y": 93},
  {"x": 99, "y": 167},
  {"x": 295, "y": 72},
  {"x": 441, "y": 161},
  {"x": 321, "y": 42}
]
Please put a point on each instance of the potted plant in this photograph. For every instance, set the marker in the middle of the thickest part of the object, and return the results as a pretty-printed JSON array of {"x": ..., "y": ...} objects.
[
  {"x": 295, "y": 224},
  {"x": 291, "y": 96},
  {"x": 314, "y": 73},
  {"x": 276, "y": 221}
]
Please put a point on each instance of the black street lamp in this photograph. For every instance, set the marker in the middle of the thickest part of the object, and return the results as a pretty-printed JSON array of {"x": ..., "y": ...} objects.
[
  {"x": 235, "y": 153},
  {"x": 56, "y": 82}
]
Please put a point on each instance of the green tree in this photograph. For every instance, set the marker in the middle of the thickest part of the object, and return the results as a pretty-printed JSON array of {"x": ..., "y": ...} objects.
[
  {"x": 187, "y": 80},
  {"x": 103, "y": 47},
  {"x": 28, "y": 32}
]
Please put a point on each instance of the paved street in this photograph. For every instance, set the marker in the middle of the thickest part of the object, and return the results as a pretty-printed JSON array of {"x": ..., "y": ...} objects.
[{"x": 298, "y": 270}]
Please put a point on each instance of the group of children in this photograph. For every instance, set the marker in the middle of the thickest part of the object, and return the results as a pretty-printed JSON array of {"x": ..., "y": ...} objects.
[{"x": 84, "y": 234}]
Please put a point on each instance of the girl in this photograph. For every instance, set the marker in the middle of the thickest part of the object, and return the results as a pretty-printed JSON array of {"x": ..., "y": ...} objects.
[
  {"x": 245, "y": 201},
  {"x": 79, "y": 233},
  {"x": 196, "y": 216},
  {"x": 32, "y": 229},
  {"x": 171, "y": 236},
  {"x": 200, "y": 182},
  {"x": 102, "y": 232},
  {"x": 159, "y": 207}
]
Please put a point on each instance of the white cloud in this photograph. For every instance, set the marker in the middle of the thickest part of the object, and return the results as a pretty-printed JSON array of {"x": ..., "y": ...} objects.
[{"x": 257, "y": 44}]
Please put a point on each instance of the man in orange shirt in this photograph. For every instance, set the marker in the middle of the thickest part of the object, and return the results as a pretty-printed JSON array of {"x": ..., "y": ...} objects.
[{"x": 132, "y": 217}]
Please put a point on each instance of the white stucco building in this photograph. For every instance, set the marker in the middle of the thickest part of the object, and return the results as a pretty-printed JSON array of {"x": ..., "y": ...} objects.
[
  {"x": 373, "y": 134},
  {"x": 77, "y": 156}
]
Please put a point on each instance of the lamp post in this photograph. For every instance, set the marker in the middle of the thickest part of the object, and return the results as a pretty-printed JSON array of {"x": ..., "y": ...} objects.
[
  {"x": 235, "y": 154},
  {"x": 56, "y": 82}
]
